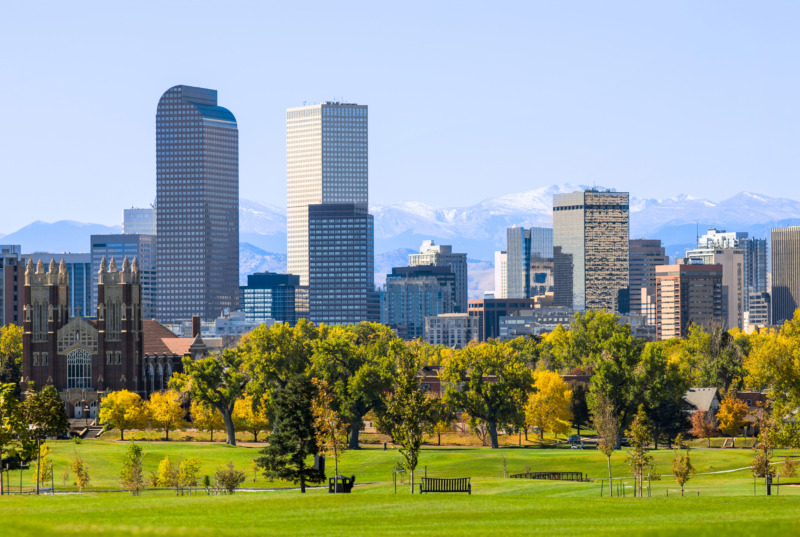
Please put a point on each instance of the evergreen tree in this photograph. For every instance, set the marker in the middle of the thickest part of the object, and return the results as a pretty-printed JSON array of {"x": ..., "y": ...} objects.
[{"x": 292, "y": 441}]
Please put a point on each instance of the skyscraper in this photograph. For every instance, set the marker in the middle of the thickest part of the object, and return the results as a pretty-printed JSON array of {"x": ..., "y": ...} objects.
[
  {"x": 645, "y": 256},
  {"x": 528, "y": 261},
  {"x": 326, "y": 162},
  {"x": 590, "y": 249},
  {"x": 785, "y": 249},
  {"x": 413, "y": 293},
  {"x": 501, "y": 275},
  {"x": 133, "y": 246},
  {"x": 140, "y": 221},
  {"x": 270, "y": 296},
  {"x": 442, "y": 255},
  {"x": 687, "y": 294},
  {"x": 341, "y": 256},
  {"x": 732, "y": 262},
  {"x": 197, "y": 195},
  {"x": 79, "y": 279}
]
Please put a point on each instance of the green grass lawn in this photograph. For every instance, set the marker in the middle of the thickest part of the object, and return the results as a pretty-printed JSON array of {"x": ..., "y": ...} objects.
[{"x": 498, "y": 506}]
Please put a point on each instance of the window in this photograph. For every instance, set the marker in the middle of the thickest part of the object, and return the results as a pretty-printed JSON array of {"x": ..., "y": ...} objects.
[{"x": 79, "y": 369}]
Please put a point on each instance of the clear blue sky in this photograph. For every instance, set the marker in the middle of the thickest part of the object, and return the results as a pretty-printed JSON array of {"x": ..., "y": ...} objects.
[{"x": 468, "y": 100}]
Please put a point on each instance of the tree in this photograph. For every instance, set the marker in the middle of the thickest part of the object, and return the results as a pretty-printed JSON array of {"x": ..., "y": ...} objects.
[
  {"x": 218, "y": 381},
  {"x": 81, "y": 472},
  {"x": 713, "y": 358},
  {"x": 188, "y": 472},
  {"x": 356, "y": 361},
  {"x": 165, "y": 410},
  {"x": 168, "y": 475},
  {"x": 606, "y": 425},
  {"x": 412, "y": 408},
  {"x": 763, "y": 449},
  {"x": 639, "y": 457},
  {"x": 131, "y": 477},
  {"x": 44, "y": 413},
  {"x": 682, "y": 467},
  {"x": 442, "y": 417},
  {"x": 229, "y": 478},
  {"x": 10, "y": 373},
  {"x": 486, "y": 381},
  {"x": 11, "y": 343},
  {"x": 731, "y": 414},
  {"x": 579, "y": 406},
  {"x": 14, "y": 437},
  {"x": 122, "y": 410},
  {"x": 206, "y": 418},
  {"x": 661, "y": 388},
  {"x": 292, "y": 440},
  {"x": 252, "y": 415},
  {"x": 45, "y": 471},
  {"x": 548, "y": 407},
  {"x": 331, "y": 430},
  {"x": 703, "y": 425}
]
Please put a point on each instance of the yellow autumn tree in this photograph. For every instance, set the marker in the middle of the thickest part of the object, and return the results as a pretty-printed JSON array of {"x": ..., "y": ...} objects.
[
  {"x": 206, "y": 418},
  {"x": 731, "y": 414},
  {"x": 122, "y": 410},
  {"x": 165, "y": 410},
  {"x": 249, "y": 419},
  {"x": 548, "y": 406}
]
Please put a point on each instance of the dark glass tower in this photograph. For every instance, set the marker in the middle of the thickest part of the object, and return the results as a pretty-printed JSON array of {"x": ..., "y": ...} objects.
[{"x": 197, "y": 195}]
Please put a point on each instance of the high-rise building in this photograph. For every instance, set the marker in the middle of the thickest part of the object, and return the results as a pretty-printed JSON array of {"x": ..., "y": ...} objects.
[
  {"x": 687, "y": 294},
  {"x": 732, "y": 262},
  {"x": 270, "y": 296},
  {"x": 139, "y": 221},
  {"x": 785, "y": 248},
  {"x": 414, "y": 293},
  {"x": 12, "y": 283},
  {"x": 131, "y": 246},
  {"x": 326, "y": 162},
  {"x": 454, "y": 330},
  {"x": 197, "y": 196},
  {"x": 590, "y": 249},
  {"x": 645, "y": 256},
  {"x": 79, "y": 279},
  {"x": 489, "y": 311},
  {"x": 442, "y": 255},
  {"x": 760, "y": 313},
  {"x": 341, "y": 253},
  {"x": 529, "y": 261},
  {"x": 500, "y": 275}
]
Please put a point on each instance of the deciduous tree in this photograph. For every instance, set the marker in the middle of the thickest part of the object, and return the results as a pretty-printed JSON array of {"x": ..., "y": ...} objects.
[
  {"x": 11, "y": 343},
  {"x": 165, "y": 410},
  {"x": 638, "y": 457},
  {"x": 487, "y": 381},
  {"x": 704, "y": 425},
  {"x": 682, "y": 467},
  {"x": 661, "y": 388},
  {"x": 331, "y": 429},
  {"x": 548, "y": 407},
  {"x": 81, "y": 472},
  {"x": 14, "y": 438},
  {"x": 218, "y": 381},
  {"x": 132, "y": 477},
  {"x": 206, "y": 418},
  {"x": 188, "y": 472},
  {"x": 292, "y": 440},
  {"x": 731, "y": 414},
  {"x": 606, "y": 425},
  {"x": 122, "y": 410},
  {"x": 44, "y": 413},
  {"x": 252, "y": 415}
]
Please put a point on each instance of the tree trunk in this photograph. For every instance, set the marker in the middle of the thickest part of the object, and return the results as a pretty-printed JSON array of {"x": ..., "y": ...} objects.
[
  {"x": 493, "y": 434},
  {"x": 541, "y": 434},
  {"x": 526, "y": 434},
  {"x": 610, "y": 481},
  {"x": 2, "y": 489},
  {"x": 578, "y": 428},
  {"x": 212, "y": 435},
  {"x": 412, "y": 481},
  {"x": 303, "y": 483},
  {"x": 38, "y": 463},
  {"x": 229, "y": 429},
  {"x": 440, "y": 439},
  {"x": 709, "y": 441},
  {"x": 122, "y": 434},
  {"x": 255, "y": 436},
  {"x": 353, "y": 444},
  {"x": 166, "y": 431}
]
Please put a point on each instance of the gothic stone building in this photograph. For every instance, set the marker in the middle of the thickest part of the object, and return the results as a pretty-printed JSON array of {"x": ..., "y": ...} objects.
[{"x": 83, "y": 358}]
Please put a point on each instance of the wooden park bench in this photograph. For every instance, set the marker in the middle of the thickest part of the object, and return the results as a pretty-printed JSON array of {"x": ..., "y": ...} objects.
[{"x": 438, "y": 484}]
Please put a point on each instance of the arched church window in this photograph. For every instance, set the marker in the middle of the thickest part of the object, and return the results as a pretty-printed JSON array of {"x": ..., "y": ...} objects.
[{"x": 79, "y": 369}]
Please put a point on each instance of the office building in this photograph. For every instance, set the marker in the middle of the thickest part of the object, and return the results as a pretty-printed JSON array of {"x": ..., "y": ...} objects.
[
  {"x": 270, "y": 297},
  {"x": 590, "y": 249},
  {"x": 785, "y": 253},
  {"x": 688, "y": 294},
  {"x": 341, "y": 264},
  {"x": 644, "y": 256},
  {"x": 131, "y": 246},
  {"x": 454, "y": 330},
  {"x": 760, "y": 313},
  {"x": 12, "y": 282},
  {"x": 489, "y": 311},
  {"x": 197, "y": 196},
  {"x": 79, "y": 279},
  {"x": 139, "y": 221},
  {"x": 528, "y": 261},
  {"x": 443, "y": 256},
  {"x": 414, "y": 293},
  {"x": 534, "y": 322},
  {"x": 500, "y": 275},
  {"x": 326, "y": 162},
  {"x": 732, "y": 262}
]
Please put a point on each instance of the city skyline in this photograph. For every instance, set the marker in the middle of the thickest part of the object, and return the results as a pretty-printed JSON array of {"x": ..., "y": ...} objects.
[{"x": 605, "y": 95}]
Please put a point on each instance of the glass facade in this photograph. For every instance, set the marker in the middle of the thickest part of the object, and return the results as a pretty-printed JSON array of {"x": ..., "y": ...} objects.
[
  {"x": 644, "y": 256},
  {"x": 413, "y": 293},
  {"x": 442, "y": 255},
  {"x": 785, "y": 247},
  {"x": 197, "y": 196},
  {"x": 118, "y": 247},
  {"x": 326, "y": 162},
  {"x": 270, "y": 296},
  {"x": 79, "y": 270},
  {"x": 590, "y": 249},
  {"x": 341, "y": 264},
  {"x": 529, "y": 254},
  {"x": 139, "y": 221}
]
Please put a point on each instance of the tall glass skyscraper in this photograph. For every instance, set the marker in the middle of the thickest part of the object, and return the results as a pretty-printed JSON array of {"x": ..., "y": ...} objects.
[
  {"x": 326, "y": 162},
  {"x": 197, "y": 195},
  {"x": 529, "y": 252},
  {"x": 590, "y": 249}
]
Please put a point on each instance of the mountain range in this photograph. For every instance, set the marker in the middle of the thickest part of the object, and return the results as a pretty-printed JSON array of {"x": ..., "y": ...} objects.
[{"x": 478, "y": 229}]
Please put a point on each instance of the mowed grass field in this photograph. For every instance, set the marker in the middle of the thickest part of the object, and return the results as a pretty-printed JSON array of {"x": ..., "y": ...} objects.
[{"x": 497, "y": 506}]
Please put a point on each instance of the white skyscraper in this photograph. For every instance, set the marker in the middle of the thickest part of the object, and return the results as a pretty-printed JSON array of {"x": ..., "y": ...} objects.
[
  {"x": 500, "y": 275},
  {"x": 326, "y": 162}
]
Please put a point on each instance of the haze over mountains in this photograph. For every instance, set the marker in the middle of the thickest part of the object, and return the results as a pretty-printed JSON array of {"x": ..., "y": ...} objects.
[{"x": 479, "y": 229}]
